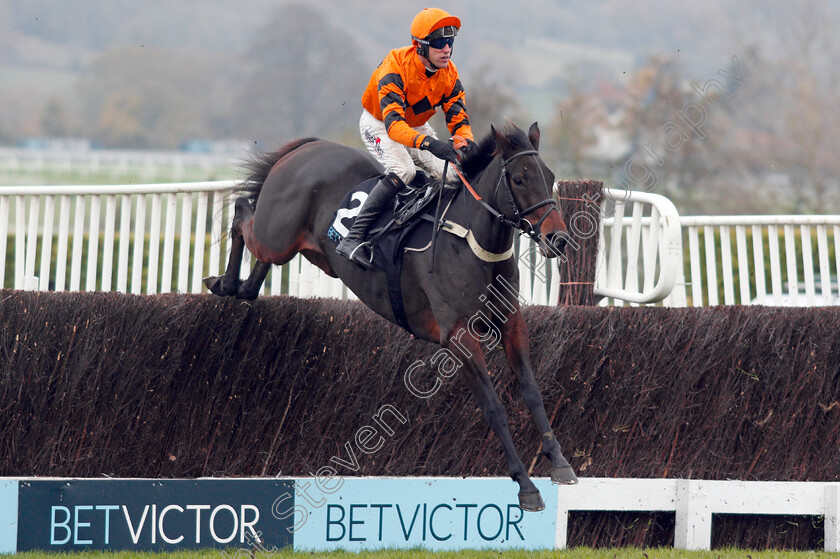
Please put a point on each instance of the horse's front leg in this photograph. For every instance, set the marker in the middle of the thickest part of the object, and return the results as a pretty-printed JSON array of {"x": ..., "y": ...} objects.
[
  {"x": 515, "y": 342},
  {"x": 475, "y": 374},
  {"x": 250, "y": 288}
]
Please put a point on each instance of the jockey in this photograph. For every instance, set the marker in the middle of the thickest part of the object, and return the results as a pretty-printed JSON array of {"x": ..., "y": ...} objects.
[{"x": 400, "y": 98}]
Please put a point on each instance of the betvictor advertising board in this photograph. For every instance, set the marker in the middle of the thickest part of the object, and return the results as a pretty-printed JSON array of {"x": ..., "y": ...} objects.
[{"x": 258, "y": 516}]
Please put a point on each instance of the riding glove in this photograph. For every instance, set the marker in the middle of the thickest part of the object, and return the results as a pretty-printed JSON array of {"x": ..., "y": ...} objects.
[
  {"x": 468, "y": 148},
  {"x": 441, "y": 150}
]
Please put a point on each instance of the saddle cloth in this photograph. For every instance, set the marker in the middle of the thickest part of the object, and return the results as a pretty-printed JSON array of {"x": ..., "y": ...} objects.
[{"x": 392, "y": 235}]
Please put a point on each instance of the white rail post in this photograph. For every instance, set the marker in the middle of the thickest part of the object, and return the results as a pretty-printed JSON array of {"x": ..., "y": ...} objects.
[
  {"x": 792, "y": 265},
  {"x": 20, "y": 241},
  {"x": 78, "y": 244},
  {"x": 832, "y": 517},
  {"x": 807, "y": 263},
  {"x": 139, "y": 244},
  {"x": 46, "y": 243},
  {"x": 184, "y": 248},
  {"x": 216, "y": 234},
  {"x": 32, "y": 244},
  {"x": 726, "y": 266},
  {"x": 200, "y": 232},
  {"x": 743, "y": 264},
  {"x": 825, "y": 269},
  {"x": 693, "y": 521},
  {"x": 169, "y": 242},
  {"x": 108, "y": 243},
  {"x": 93, "y": 243},
  {"x": 124, "y": 244},
  {"x": 4, "y": 236},
  {"x": 696, "y": 271},
  {"x": 758, "y": 258},
  {"x": 61, "y": 252}
]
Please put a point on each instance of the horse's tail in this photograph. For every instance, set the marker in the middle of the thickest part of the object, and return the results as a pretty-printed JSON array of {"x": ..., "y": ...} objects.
[{"x": 259, "y": 166}]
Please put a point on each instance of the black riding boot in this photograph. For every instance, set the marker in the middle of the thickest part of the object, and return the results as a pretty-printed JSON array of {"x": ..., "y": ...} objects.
[{"x": 377, "y": 200}]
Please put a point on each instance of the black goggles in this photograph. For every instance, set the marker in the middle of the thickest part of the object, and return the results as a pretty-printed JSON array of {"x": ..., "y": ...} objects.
[{"x": 441, "y": 42}]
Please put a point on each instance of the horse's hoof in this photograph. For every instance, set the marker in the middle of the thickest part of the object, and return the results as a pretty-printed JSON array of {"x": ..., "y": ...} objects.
[
  {"x": 250, "y": 295},
  {"x": 214, "y": 284},
  {"x": 564, "y": 475},
  {"x": 531, "y": 502}
]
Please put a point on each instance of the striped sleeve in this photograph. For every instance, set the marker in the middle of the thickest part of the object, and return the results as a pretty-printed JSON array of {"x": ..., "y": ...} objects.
[
  {"x": 393, "y": 104},
  {"x": 455, "y": 111}
]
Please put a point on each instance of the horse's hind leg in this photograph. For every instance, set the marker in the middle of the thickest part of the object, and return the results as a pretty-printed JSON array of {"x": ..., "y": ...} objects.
[{"x": 229, "y": 283}]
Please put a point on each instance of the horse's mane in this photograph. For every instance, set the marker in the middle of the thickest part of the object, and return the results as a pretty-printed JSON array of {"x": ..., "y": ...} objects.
[
  {"x": 479, "y": 159},
  {"x": 261, "y": 164}
]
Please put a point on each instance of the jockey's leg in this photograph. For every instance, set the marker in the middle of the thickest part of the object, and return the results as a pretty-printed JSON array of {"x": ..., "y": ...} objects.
[
  {"x": 392, "y": 155},
  {"x": 378, "y": 199},
  {"x": 400, "y": 168}
]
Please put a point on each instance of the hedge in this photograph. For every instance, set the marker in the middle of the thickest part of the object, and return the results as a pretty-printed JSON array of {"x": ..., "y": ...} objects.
[{"x": 96, "y": 384}]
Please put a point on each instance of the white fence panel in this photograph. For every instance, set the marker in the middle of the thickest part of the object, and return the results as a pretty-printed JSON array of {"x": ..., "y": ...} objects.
[
  {"x": 648, "y": 254},
  {"x": 160, "y": 238},
  {"x": 107, "y": 235},
  {"x": 143, "y": 238},
  {"x": 798, "y": 248},
  {"x": 695, "y": 501},
  {"x": 153, "y": 239}
]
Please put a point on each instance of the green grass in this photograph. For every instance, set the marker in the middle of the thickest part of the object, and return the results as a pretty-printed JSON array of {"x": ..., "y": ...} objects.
[{"x": 575, "y": 553}]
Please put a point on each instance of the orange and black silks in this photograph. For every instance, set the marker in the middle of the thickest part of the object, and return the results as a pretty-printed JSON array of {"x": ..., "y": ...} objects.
[{"x": 403, "y": 95}]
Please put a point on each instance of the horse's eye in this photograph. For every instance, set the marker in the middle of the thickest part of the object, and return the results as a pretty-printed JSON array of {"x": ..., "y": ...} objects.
[{"x": 518, "y": 181}]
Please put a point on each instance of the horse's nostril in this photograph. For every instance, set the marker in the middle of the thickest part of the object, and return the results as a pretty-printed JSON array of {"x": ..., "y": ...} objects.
[
  {"x": 554, "y": 245},
  {"x": 558, "y": 241}
]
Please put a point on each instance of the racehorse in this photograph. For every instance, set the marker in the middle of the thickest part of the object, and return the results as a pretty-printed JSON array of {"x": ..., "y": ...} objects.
[{"x": 289, "y": 202}]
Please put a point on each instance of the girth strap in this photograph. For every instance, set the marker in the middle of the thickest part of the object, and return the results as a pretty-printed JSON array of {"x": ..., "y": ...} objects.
[
  {"x": 485, "y": 255},
  {"x": 460, "y": 231}
]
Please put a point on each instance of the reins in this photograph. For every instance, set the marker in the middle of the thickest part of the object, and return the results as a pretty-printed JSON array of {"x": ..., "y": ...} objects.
[{"x": 530, "y": 230}]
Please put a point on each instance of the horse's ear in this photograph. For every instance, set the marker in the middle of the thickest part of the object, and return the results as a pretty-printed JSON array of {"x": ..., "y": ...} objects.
[
  {"x": 534, "y": 135},
  {"x": 501, "y": 140}
]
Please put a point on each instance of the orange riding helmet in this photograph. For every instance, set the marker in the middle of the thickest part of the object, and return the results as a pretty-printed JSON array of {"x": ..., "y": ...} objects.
[{"x": 430, "y": 20}]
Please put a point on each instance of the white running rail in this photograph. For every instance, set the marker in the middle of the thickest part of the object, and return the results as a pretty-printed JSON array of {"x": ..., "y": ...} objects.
[
  {"x": 773, "y": 260},
  {"x": 160, "y": 238},
  {"x": 695, "y": 501},
  {"x": 154, "y": 238}
]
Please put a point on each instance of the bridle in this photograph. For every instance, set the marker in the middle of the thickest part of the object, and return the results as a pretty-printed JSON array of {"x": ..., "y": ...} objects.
[{"x": 519, "y": 222}]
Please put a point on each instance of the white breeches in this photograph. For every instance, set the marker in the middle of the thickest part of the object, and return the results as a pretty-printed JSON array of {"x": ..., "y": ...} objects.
[{"x": 396, "y": 157}]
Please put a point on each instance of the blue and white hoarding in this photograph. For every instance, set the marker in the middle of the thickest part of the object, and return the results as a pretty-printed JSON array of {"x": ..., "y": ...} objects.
[
  {"x": 250, "y": 517},
  {"x": 431, "y": 513}
]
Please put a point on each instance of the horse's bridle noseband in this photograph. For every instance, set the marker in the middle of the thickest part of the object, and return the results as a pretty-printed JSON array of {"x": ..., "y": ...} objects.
[{"x": 520, "y": 222}]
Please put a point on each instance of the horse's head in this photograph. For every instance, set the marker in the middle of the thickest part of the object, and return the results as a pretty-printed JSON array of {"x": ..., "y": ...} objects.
[{"x": 524, "y": 194}]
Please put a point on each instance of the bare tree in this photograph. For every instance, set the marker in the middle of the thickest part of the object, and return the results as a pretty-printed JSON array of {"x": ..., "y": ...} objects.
[
  {"x": 489, "y": 99},
  {"x": 573, "y": 129},
  {"x": 143, "y": 97},
  {"x": 302, "y": 77},
  {"x": 787, "y": 116},
  {"x": 673, "y": 132}
]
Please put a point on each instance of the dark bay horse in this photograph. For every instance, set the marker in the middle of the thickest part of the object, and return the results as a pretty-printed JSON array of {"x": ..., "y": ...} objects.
[{"x": 290, "y": 201}]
